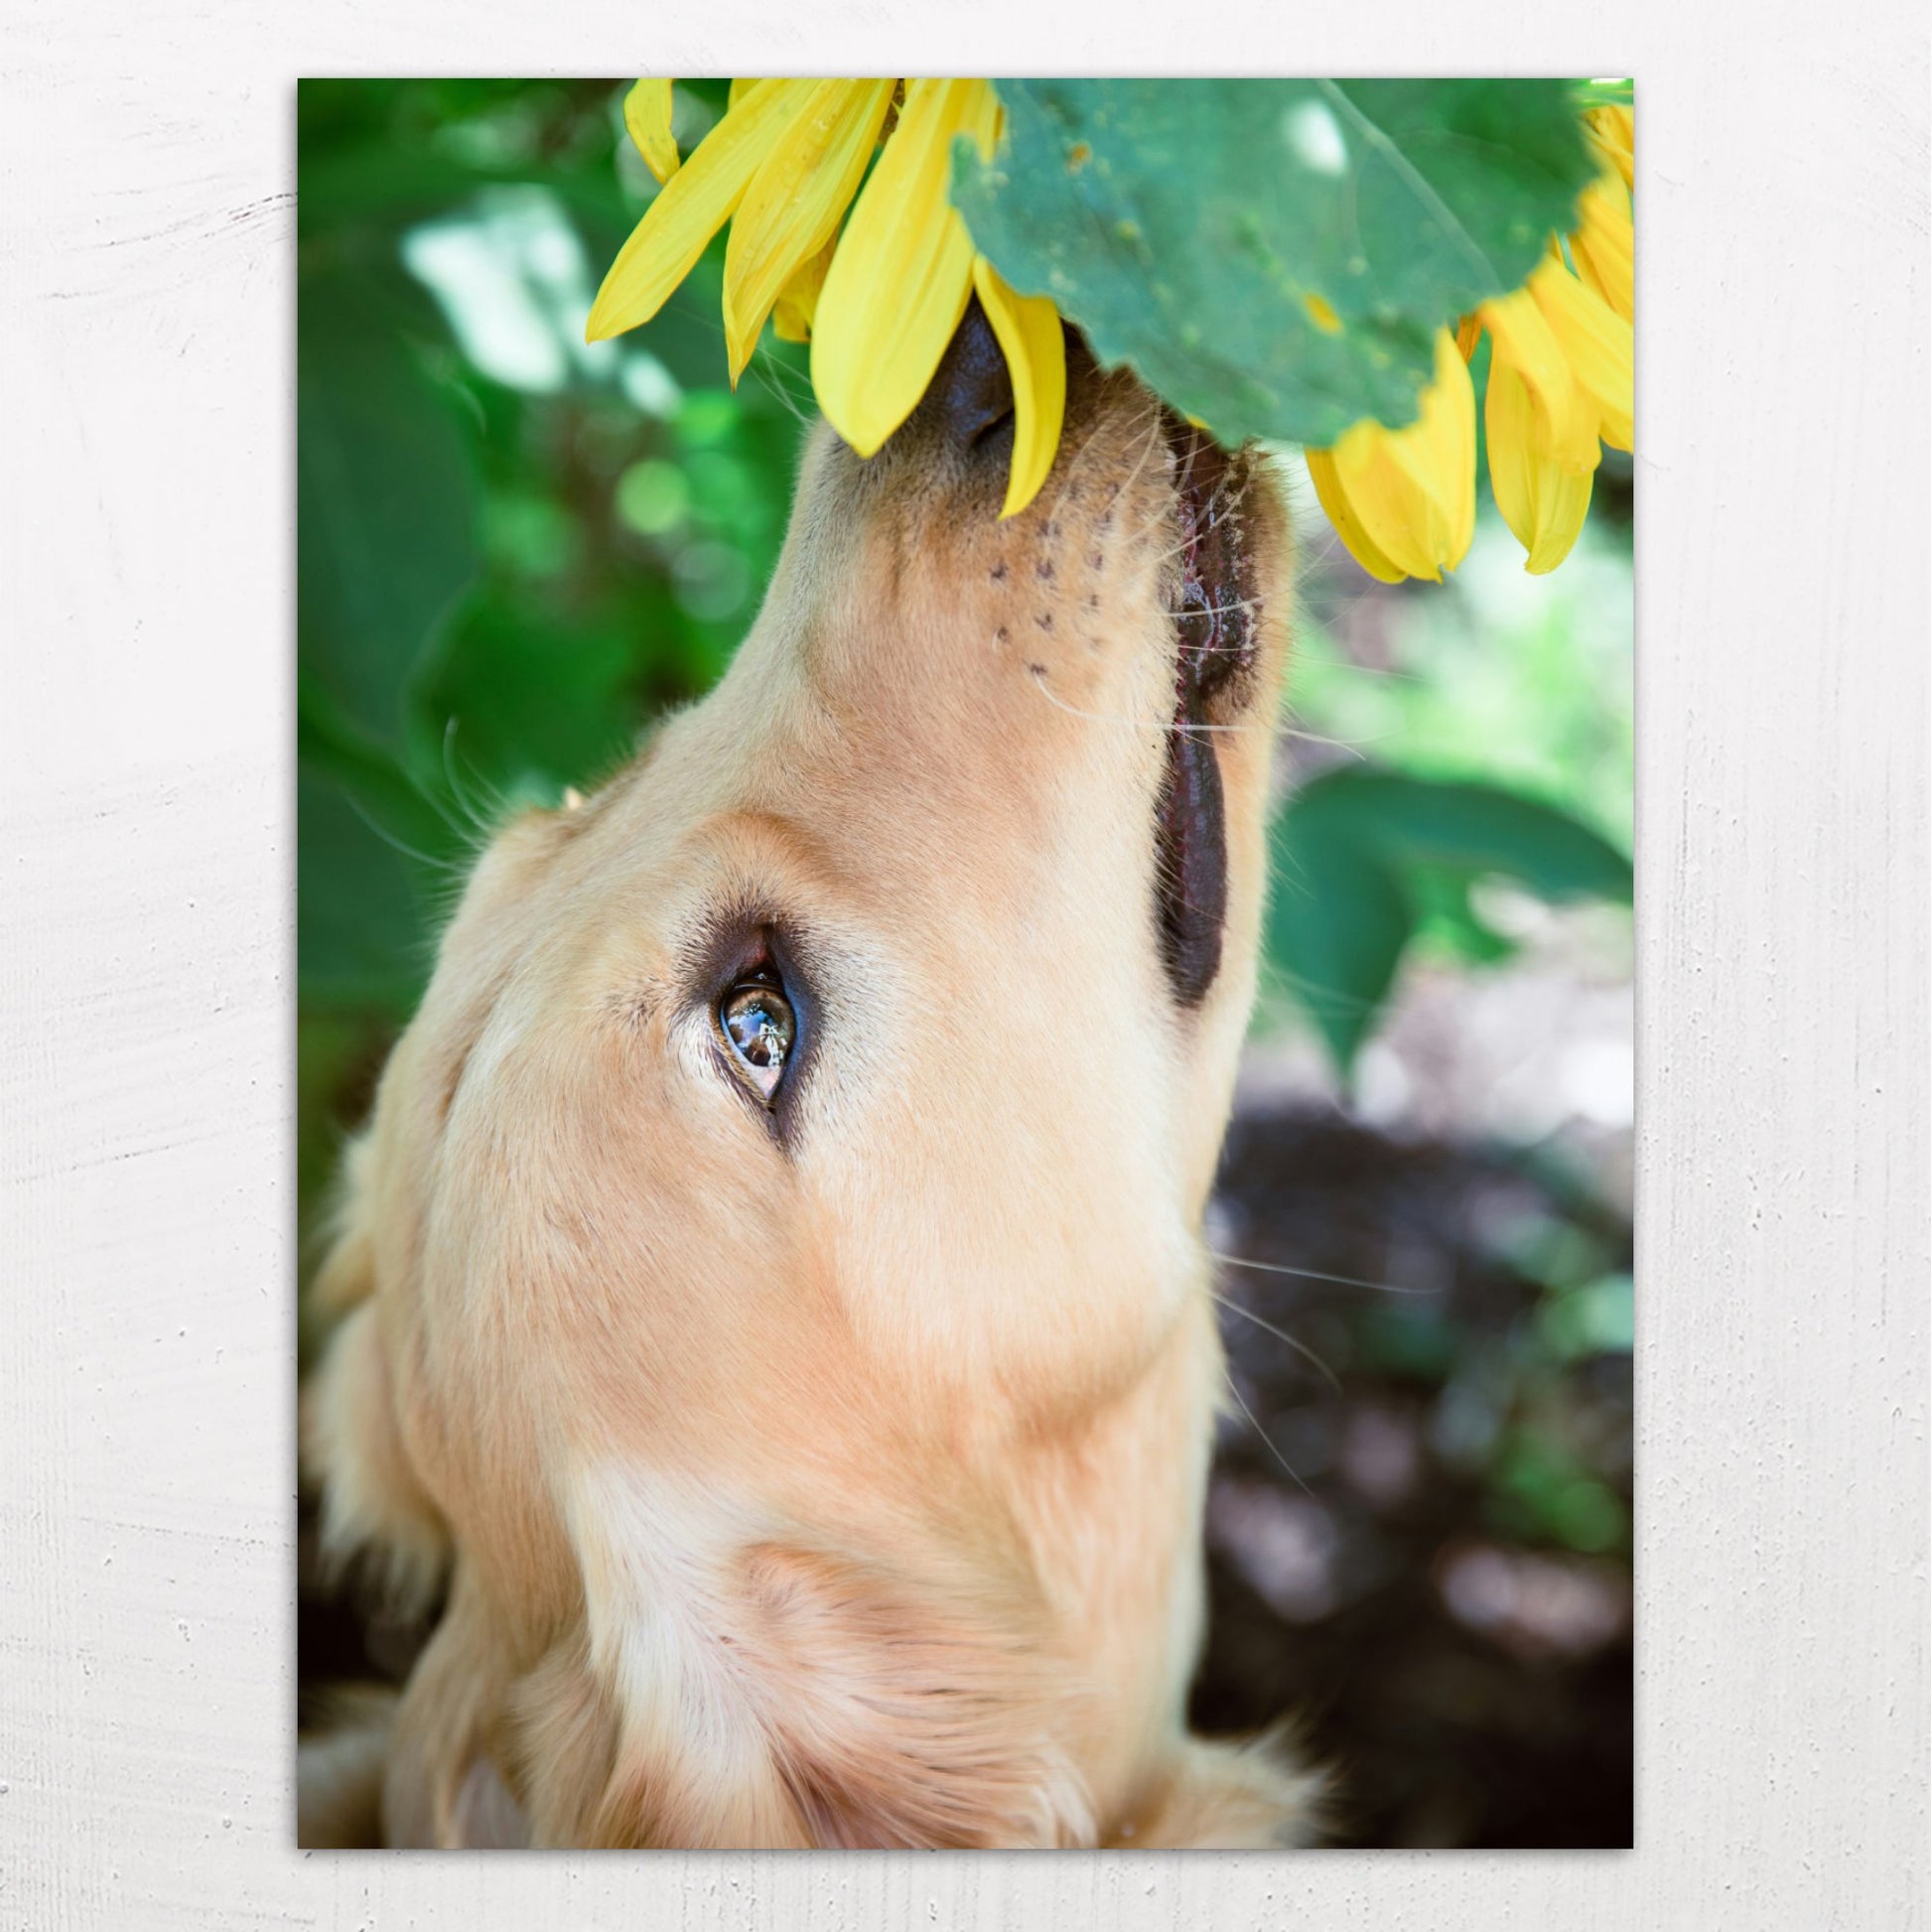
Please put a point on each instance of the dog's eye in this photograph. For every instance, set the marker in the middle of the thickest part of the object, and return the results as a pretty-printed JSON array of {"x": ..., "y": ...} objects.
[{"x": 760, "y": 1029}]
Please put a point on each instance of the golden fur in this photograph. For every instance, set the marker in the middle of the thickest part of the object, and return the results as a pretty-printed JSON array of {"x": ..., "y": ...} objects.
[{"x": 842, "y": 1489}]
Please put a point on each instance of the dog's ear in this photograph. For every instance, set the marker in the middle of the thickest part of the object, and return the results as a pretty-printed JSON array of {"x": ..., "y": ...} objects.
[
  {"x": 374, "y": 1504},
  {"x": 443, "y": 1788},
  {"x": 346, "y": 1276}
]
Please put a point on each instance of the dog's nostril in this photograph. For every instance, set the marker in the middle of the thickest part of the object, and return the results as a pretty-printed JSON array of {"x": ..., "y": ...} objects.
[{"x": 972, "y": 389}]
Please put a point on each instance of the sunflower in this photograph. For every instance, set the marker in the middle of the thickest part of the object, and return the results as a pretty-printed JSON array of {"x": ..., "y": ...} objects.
[
  {"x": 843, "y": 234},
  {"x": 878, "y": 300},
  {"x": 1561, "y": 387}
]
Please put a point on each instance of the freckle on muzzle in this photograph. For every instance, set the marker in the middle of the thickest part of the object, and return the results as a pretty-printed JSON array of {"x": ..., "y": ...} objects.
[{"x": 966, "y": 419}]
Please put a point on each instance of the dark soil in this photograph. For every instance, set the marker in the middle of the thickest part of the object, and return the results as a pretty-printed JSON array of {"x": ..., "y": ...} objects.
[{"x": 1332, "y": 1589}]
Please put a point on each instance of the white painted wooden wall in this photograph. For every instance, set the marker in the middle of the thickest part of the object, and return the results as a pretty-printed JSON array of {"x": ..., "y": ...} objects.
[{"x": 145, "y": 963}]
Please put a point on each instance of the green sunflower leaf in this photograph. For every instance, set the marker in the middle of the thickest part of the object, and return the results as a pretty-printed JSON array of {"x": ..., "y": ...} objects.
[
  {"x": 1361, "y": 856},
  {"x": 1339, "y": 922},
  {"x": 1213, "y": 234}
]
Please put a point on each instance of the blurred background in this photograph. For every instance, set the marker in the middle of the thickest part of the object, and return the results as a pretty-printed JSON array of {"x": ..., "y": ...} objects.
[{"x": 514, "y": 550}]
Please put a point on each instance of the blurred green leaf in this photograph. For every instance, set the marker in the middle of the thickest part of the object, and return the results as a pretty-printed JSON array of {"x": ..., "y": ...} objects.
[
  {"x": 1194, "y": 229},
  {"x": 1519, "y": 681},
  {"x": 1360, "y": 854},
  {"x": 1445, "y": 916},
  {"x": 395, "y": 807},
  {"x": 1598, "y": 1319},
  {"x": 361, "y": 908},
  {"x": 1419, "y": 1343},
  {"x": 1552, "y": 1250},
  {"x": 1471, "y": 827},
  {"x": 386, "y": 496},
  {"x": 1538, "y": 1488},
  {"x": 1339, "y": 922},
  {"x": 516, "y": 701},
  {"x": 379, "y": 155}
]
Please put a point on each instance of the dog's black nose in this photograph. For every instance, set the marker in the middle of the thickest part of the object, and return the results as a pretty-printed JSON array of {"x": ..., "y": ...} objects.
[{"x": 972, "y": 393}]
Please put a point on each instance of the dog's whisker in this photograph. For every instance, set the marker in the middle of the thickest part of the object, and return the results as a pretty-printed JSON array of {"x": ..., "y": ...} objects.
[
  {"x": 1255, "y": 1425},
  {"x": 776, "y": 378},
  {"x": 481, "y": 825},
  {"x": 1352, "y": 746},
  {"x": 1247, "y": 606},
  {"x": 470, "y": 833},
  {"x": 1321, "y": 1001},
  {"x": 1281, "y": 1334},
  {"x": 1316, "y": 1275},
  {"x": 455, "y": 869},
  {"x": 1078, "y": 462},
  {"x": 1220, "y": 503},
  {"x": 1154, "y": 441},
  {"x": 1137, "y": 722}
]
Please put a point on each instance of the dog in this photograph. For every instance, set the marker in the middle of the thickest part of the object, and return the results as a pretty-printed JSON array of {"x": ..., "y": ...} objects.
[{"x": 773, "y": 1305}]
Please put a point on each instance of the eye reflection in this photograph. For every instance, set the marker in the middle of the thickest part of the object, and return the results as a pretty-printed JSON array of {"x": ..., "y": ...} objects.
[{"x": 759, "y": 1028}]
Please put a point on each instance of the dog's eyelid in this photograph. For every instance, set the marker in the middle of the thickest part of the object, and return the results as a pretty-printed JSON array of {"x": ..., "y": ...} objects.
[
  {"x": 761, "y": 968},
  {"x": 757, "y": 1003}
]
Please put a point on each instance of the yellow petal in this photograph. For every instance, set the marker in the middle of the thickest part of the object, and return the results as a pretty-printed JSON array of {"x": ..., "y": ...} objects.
[
  {"x": 798, "y": 299},
  {"x": 740, "y": 88},
  {"x": 1613, "y": 133},
  {"x": 1454, "y": 407},
  {"x": 1523, "y": 342},
  {"x": 1403, "y": 514},
  {"x": 1027, "y": 328},
  {"x": 647, "y": 115},
  {"x": 1404, "y": 500},
  {"x": 1603, "y": 245},
  {"x": 1509, "y": 428},
  {"x": 1565, "y": 503},
  {"x": 796, "y": 202},
  {"x": 1596, "y": 343},
  {"x": 904, "y": 270},
  {"x": 1348, "y": 526},
  {"x": 696, "y": 203},
  {"x": 1421, "y": 509},
  {"x": 1540, "y": 500}
]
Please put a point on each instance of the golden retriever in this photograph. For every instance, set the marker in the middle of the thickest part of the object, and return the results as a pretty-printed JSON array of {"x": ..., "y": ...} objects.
[{"x": 774, "y": 1295}]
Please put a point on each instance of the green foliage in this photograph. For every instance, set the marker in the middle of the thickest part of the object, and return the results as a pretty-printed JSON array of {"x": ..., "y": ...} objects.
[
  {"x": 1520, "y": 681},
  {"x": 361, "y": 912},
  {"x": 514, "y": 550},
  {"x": 1598, "y": 1319},
  {"x": 386, "y": 490},
  {"x": 1539, "y": 1488},
  {"x": 1360, "y": 854},
  {"x": 1194, "y": 229}
]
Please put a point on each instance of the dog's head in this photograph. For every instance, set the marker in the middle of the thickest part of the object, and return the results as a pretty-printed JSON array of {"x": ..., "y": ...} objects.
[{"x": 819, "y": 1111}]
